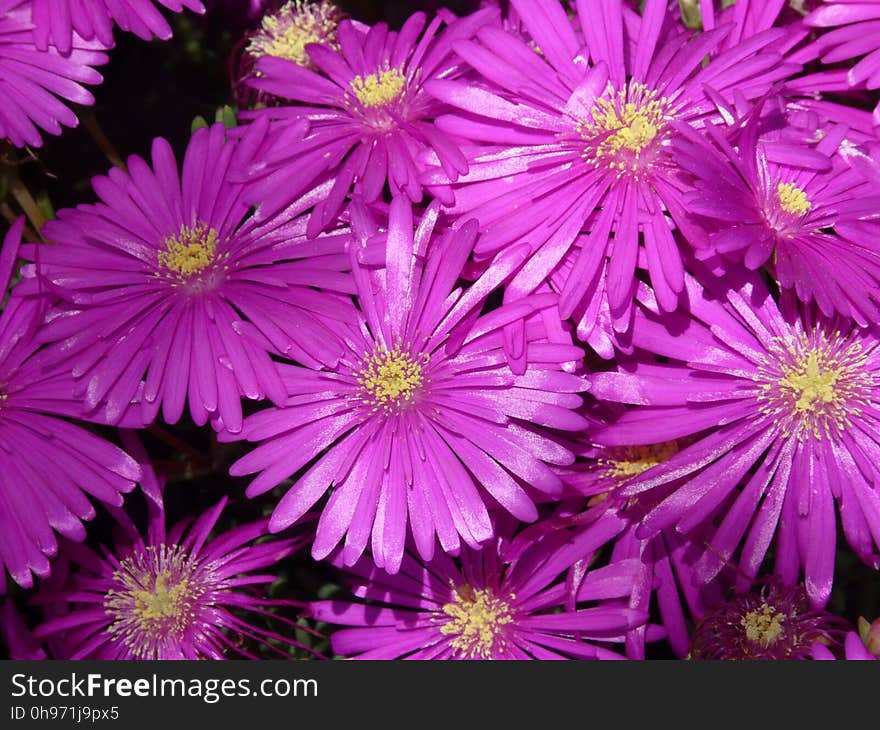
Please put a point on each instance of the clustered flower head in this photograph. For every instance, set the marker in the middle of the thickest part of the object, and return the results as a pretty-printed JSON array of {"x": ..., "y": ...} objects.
[{"x": 549, "y": 329}]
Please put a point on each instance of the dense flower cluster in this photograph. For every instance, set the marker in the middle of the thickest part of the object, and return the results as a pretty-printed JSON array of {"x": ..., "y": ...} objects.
[{"x": 552, "y": 329}]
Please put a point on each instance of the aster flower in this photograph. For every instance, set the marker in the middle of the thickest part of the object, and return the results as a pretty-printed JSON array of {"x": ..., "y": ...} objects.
[
  {"x": 802, "y": 210},
  {"x": 358, "y": 114},
  {"x": 58, "y": 22},
  {"x": 174, "y": 294},
  {"x": 180, "y": 592},
  {"x": 422, "y": 420},
  {"x": 572, "y": 135},
  {"x": 48, "y": 466},
  {"x": 775, "y": 398},
  {"x": 34, "y": 82},
  {"x": 775, "y": 622},
  {"x": 487, "y": 604}
]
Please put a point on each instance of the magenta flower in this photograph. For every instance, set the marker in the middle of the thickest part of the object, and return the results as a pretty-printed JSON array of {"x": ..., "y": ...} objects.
[
  {"x": 174, "y": 294},
  {"x": 178, "y": 593},
  {"x": 48, "y": 466},
  {"x": 855, "y": 35},
  {"x": 572, "y": 132},
  {"x": 422, "y": 420},
  {"x": 359, "y": 115},
  {"x": 58, "y": 22},
  {"x": 780, "y": 406},
  {"x": 802, "y": 211},
  {"x": 33, "y": 82},
  {"x": 853, "y": 647},
  {"x": 774, "y": 622},
  {"x": 489, "y": 604}
]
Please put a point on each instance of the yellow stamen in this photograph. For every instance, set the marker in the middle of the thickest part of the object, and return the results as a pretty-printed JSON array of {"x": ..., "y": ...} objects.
[
  {"x": 476, "y": 620},
  {"x": 792, "y": 199},
  {"x": 391, "y": 378},
  {"x": 764, "y": 625},
  {"x": 378, "y": 89},
  {"x": 286, "y": 34},
  {"x": 190, "y": 251},
  {"x": 810, "y": 384},
  {"x": 630, "y": 461}
]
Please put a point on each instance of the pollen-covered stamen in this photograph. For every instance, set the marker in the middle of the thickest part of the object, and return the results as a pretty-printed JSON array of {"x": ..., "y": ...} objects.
[
  {"x": 815, "y": 383},
  {"x": 391, "y": 379},
  {"x": 156, "y": 600},
  {"x": 189, "y": 252},
  {"x": 624, "y": 129},
  {"x": 764, "y": 625},
  {"x": 287, "y": 32},
  {"x": 379, "y": 89},
  {"x": 792, "y": 199},
  {"x": 629, "y": 461},
  {"x": 477, "y": 621}
]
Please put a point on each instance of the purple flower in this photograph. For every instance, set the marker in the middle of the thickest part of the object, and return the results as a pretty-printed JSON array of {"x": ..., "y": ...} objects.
[
  {"x": 58, "y": 22},
  {"x": 777, "y": 400},
  {"x": 422, "y": 420},
  {"x": 48, "y": 466},
  {"x": 295, "y": 25},
  {"x": 855, "y": 35},
  {"x": 853, "y": 647},
  {"x": 774, "y": 622},
  {"x": 32, "y": 80},
  {"x": 801, "y": 210},
  {"x": 572, "y": 128},
  {"x": 183, "y": 592},
  {"x": 174, "y": 293},
  {"x": 359, "y": 115},
  {"x": 492, "y": 603}
]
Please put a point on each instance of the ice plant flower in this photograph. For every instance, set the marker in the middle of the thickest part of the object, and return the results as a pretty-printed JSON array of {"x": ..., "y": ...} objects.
[
  {"x": 359, "y": 114},
  {"x": 774, "y": 622},
  {"x": 34, "y": 82},
  {"x": 814, "y": 222},
  {"x": 174, "y": 293},
  {"x": 58, "y": 22},
  {"x": 487, "y": 605},
  {"x": 422, "y": 421},
  {"x": 571, "y": 135},
  {"x": 854, "y": 34},
  {"x": 777, "y": 400},
  {"x": 286, "y": 32},
  {"x": 186, "y": 591},
  {"x": 48, "y": 466}
]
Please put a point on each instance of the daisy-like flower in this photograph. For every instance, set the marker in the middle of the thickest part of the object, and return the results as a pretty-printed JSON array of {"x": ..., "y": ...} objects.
[
  {"x": 58, "y": 22},
  {"x": 572, "y": 133},
  {"x": 777, "y": 401},
  {"x": 775, "y": 622},
  {"x": 358, "y": 114},
  {"x": 488, "y": 604},
  {"x": 854, "y": 34},
  {"x": 666, "y": 560},
  {"x": 32, "y": 80},
  {"x": 771, "y": 202},
  {"x": 296, "y": 24},
  {"x": 48, "y": 466},
  {"x": 174, "y": 294},
  {"x": 422, "y": 421},
  {"x": 179, "y": 592}
]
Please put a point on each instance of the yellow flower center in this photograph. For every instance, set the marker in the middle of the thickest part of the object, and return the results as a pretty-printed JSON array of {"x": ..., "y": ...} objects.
[
  {"x": 378, "y": 89},
  {"x": 764, "y": 625},
  {"x": 630, "y": 461},
  {"x": 390, "y": 379},
  {"x": 155, "y": 600},
  {"x": 286, "y": 34},
  {"x": 792, "y": 199},
  {"x": 476, "y": 621},
  {"x": 813, "y": 384},
  {"x": 623, "y": 126},
  {"x": 189, "y": 252}
]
